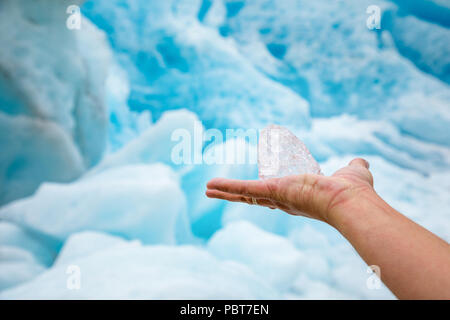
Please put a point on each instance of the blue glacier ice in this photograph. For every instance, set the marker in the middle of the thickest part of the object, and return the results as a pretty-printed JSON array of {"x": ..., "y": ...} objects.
[
  {"x": 51, "y": 97},
  {"x": 23, "y": 255},
  {"x": 176, "y": 62},
  {"x": 117, "y": 201},
  {"x": 242, "y": 242},
  {"x": 170, "y": 273},
  {"x": 87, "y": 171}
]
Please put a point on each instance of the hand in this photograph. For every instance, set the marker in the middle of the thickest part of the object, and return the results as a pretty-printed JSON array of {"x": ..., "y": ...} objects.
[
  {"x": 309, "y": 195},
  {"x": 415, "y": 263}
]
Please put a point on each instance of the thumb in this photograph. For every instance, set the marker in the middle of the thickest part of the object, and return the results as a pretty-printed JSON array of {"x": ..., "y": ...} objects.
[
  {"x": 357, "y": 170},
  {"x": 360, "y": 167},
  {"x": 359, "y": 162}
]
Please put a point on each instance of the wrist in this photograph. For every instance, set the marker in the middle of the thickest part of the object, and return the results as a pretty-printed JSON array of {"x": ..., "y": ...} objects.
[{"x": 360, "y": 211}]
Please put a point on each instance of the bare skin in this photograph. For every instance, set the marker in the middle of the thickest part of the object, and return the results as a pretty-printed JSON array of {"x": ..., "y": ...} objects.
[{"x": 414, "y": 263}]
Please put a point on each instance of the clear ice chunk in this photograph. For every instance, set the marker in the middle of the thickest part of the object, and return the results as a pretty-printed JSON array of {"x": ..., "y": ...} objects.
[{"x": 281, "y": 153}]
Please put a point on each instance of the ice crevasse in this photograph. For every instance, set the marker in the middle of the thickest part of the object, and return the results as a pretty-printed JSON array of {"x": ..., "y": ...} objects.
[{"x": 86, "y": 173}]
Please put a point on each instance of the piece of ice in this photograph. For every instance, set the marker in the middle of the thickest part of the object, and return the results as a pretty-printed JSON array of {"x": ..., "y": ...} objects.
[{"x": 281, "y": 153}]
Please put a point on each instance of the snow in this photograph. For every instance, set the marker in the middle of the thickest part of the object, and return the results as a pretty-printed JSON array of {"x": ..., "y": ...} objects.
[{"x": 88, "y": 179}]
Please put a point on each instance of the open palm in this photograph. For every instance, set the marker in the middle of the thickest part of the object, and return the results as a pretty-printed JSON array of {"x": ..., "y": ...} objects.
[{"x": 309, "y": 195}]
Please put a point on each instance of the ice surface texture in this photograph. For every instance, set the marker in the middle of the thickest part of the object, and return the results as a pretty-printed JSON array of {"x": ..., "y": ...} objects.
[
  {"x": 281, "y": 153},
  {"x": 53, "y": 119},
  {"x": 117, "y": 200},
  {"x": 128, "y": 221},
  {"x": 23, "y": 255},
  {"x": 114, "y": 268},
  {"x": 174, "y": 61},
  {"x": 342, "y": 67}
]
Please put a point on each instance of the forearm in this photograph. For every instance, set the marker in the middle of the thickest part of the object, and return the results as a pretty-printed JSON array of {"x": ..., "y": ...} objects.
[{"x": 414, "y": 263}]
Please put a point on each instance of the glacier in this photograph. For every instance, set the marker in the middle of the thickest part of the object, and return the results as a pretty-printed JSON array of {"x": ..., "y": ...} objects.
[
  {"x": 52, "y": 97},
  {"x": 87, "y": 177}
]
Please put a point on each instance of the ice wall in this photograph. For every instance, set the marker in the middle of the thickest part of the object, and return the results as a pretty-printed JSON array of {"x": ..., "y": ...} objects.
[
  {"x": 436, "y": 11},
  {"x": 324, "y": 51},
  {"x": 53, "y": 119},
  {"x": 176, "y": 62},
  {"x": 432, "y": 54}
]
